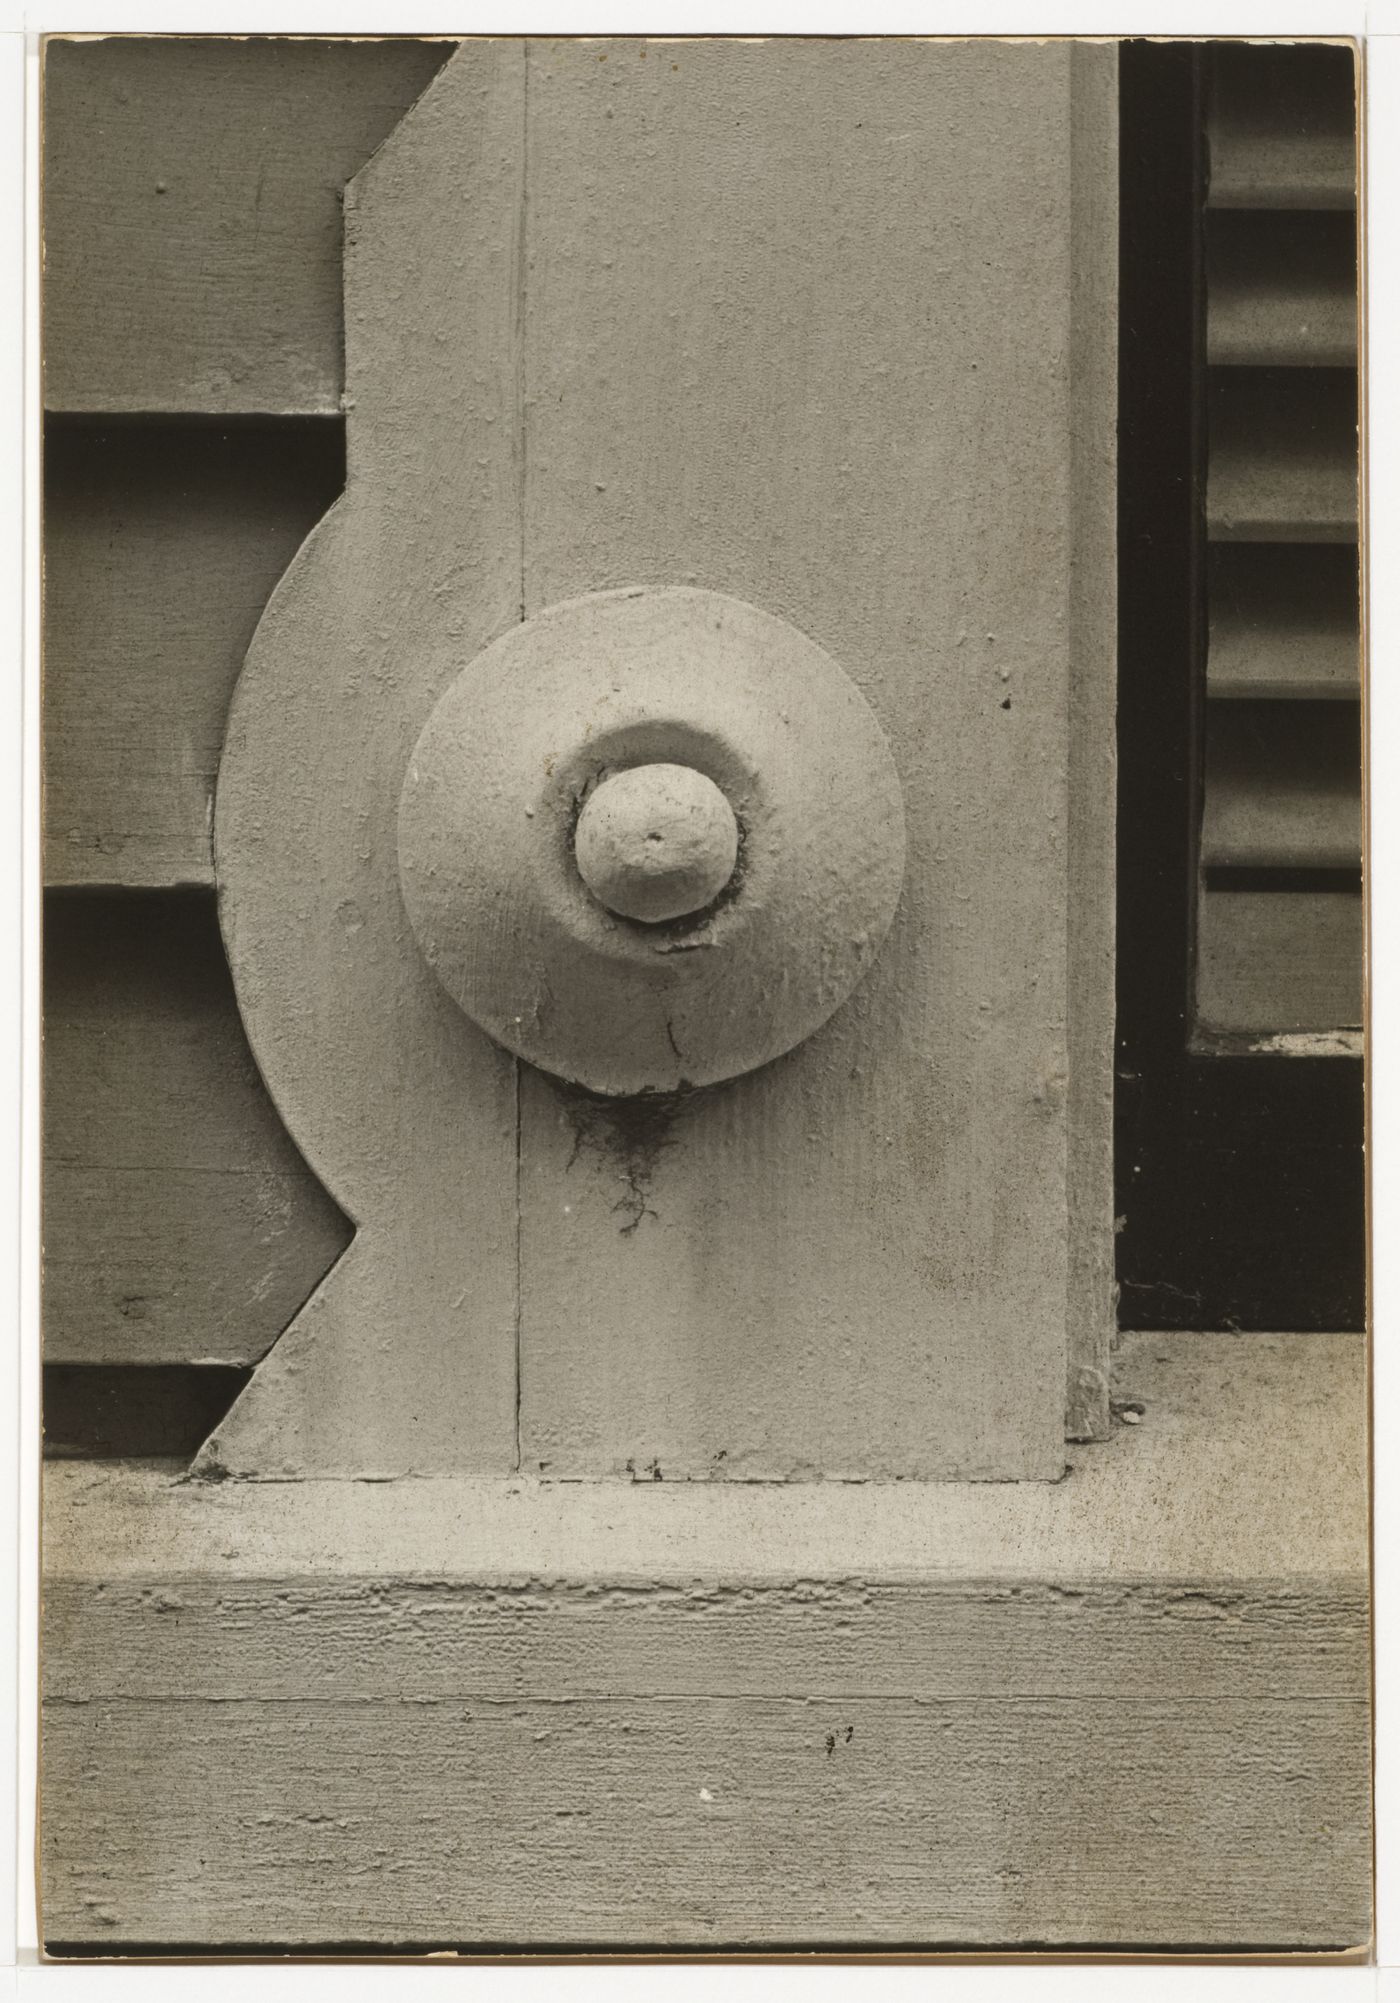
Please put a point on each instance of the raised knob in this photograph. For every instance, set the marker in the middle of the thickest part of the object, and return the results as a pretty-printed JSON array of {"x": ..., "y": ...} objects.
[
  {"x": 650, "y": 839},
  {"x": 656, "y": 842}
]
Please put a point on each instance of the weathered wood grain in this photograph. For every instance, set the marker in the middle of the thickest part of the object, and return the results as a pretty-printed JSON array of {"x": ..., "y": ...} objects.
[
  {"x": 180, "y": 1223},
  {"x": 1282, "y": 786},
  {"x": 763, "y": 1821},
  {"x": 1284, "y": 622},
  {"x": 1279, "y": 960},
  {"x": 368, "y": 1639},
  {"x": 192, "y": 214},
  {"x": 162, "y": 544},
  {"x": 1126, "y": 1709},
  {"x": 777, "y": 345}
]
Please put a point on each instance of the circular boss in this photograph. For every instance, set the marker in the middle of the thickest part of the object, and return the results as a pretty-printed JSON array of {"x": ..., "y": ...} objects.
[{"x": 651, "y": 839}]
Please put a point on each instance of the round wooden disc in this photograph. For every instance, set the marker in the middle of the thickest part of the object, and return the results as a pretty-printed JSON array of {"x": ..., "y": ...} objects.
[{"x": 598, "y": 686}]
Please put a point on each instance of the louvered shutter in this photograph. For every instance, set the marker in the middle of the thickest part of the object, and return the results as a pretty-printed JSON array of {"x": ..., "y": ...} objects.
[
  {"x": 192, "y": 200},
  {"x": 1279, "y": 928}
]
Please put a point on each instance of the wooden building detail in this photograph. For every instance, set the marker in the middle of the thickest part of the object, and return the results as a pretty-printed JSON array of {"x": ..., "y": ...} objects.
[{"x": 582, "y": 610}]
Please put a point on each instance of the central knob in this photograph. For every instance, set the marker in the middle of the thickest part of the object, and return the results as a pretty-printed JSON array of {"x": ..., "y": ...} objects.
[
  {"x": 650, "y": 840},
  {"x": 656, "y": 842}
]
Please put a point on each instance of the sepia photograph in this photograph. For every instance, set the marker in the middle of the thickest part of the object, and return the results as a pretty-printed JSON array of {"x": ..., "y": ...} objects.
[{"x": 703, "y": 1089}]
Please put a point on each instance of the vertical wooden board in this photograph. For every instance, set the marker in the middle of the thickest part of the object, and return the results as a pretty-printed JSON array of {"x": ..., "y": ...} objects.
[
  {"x": 1093, "y": 762},
  {"x": 162, "y": 545},
  {"x": 404, "y": 1361},
  {"x": 192, "y": 221},
  {"x": 799, "y": 330},
  {"x": 180, "y": 1223}
]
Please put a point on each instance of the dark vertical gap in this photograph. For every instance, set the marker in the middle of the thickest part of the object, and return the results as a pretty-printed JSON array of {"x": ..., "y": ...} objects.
[
  {"x": 1239, "y": 1179},
  {"x": 517, "y": 1067},
  {"x": 522, "y": 430},
  {"x": 521, "y": 280},
  {"x": 1157, "y": 503},
  {"x": 1197, "y": 560}
]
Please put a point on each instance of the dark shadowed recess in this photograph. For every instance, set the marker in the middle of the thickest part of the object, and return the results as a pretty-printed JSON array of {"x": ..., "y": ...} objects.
[
  {"x": 134, "y": 1411},
  {"x": 182, "y": 1228},
  {"x": 1240, "y": 1187}
]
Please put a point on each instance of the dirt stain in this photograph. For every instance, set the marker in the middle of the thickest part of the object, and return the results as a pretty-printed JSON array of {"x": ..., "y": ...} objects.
[{"x": 629, "y": 1136}]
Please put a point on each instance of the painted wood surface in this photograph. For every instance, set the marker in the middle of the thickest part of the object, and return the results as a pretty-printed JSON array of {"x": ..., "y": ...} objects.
[
  {"x": 1284, "y": 623},
  {"x": 1281, "y": 126},
  {"x": 405, "y": 1359},
  {"x": 1127, "y": 1709},
  {"x": 776, "y": 346},
  {"x": 162, "y": 545},
  {"x": 1279, "y": 960},
  {"x": 1278, "y": 952},
  {"x": 1092, "y": 854},
  {"x": 988, "y": 1820},
  {"x": 1219, "y": 1477},
  {"x": 855, "y": 1262},
  {"x": 1281, "y": 289},
  {"x": 192, "y": 214},
  {"x": 180, "y": 1223},
  {"x": 1283, "y": 456},
  {"x": 1282, "y": 786}
]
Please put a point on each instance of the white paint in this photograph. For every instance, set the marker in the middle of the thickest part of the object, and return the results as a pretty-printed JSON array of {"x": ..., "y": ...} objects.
[
  {"x": 656, "y": 841},
  {"x": 550, "y": 718},
  {"x": 1250, "y": 1461}
]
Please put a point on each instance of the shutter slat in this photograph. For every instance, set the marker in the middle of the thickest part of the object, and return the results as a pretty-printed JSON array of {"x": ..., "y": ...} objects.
[
  {"x": 1283, "y": 464},
  {"x": 192, "y": 215},
  {"x": 163, "y": 545},
  {"x": 1284, "y": 623},
  {"x": 1281, "y": 290},
  {"x": 1277, "y": 952},
  {"x": 213, "y": 1231},
  {"x": 1282, "y": 787},
  {"x": 1271, "y": 961},
  {"x": 1281, "y": 127}
]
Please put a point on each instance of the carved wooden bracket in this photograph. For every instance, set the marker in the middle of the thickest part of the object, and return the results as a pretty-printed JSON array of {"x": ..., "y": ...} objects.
[{"x": 555, "y": 850}]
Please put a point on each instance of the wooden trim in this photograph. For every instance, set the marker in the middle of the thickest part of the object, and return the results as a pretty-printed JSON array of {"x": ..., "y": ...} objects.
[
  {"x": 1125, "y": 1710},
  {"x": 1093, "y": 693},
  {"x": 192, "y": 214}
]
